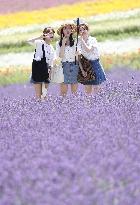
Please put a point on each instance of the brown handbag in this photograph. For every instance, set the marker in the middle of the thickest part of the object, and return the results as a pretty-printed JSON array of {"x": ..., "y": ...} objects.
[{"x": 87, "y": 67}]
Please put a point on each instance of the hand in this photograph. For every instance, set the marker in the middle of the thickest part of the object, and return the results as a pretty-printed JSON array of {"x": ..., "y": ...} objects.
[
  {"x": 57, "y": 61},
  {"x": 41, "y": 37},
  {"x": 49, "y": 69},
  {"x": 84, "y": 74},
  {"x": 49, "y": 73},
  {"x": 64, "y": 40},
  {"x": 77, "y": 53},
  {"x": 82, "y": 40}
]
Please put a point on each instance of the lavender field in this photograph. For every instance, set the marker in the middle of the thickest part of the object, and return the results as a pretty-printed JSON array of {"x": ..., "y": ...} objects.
[{"x": 81, "y": 150}]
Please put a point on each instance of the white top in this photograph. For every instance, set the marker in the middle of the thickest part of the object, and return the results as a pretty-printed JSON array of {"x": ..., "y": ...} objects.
[
  {"x": 94, "y": 53},
  {"x": 69, "y": 54},
  {"x": 49, "y": 51}
]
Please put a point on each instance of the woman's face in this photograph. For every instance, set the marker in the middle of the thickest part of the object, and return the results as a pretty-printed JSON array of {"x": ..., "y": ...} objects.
[
  {"x": 49, "y": 35},
  {"x": 83, "y": 30},
  {"x": 67, "y": 30}
]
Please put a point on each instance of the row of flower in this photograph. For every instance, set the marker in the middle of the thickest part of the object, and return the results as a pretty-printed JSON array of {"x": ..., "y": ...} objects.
[
  {"x": 66, "y": 12},
  {"x": 8, "y": 6},
  {"x": 111, "y": 16},
  {"x": 20, "y": 74}
]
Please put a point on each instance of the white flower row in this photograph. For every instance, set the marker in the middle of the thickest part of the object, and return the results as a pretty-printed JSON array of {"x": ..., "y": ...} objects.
[
  {"x": 107, "y": 47},
  {"x": 101, "y": 17},
  {"x": 115, "y": 15}
]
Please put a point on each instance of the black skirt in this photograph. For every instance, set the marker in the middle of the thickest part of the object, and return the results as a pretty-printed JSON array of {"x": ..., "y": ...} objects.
[{"x": 40, "y": 71}]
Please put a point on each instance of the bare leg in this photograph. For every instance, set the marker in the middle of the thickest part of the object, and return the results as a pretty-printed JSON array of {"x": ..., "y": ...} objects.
[
  {"x": 38, "y": 90},
  {"x": 46, "y": 85},
  {"x": 88, "y": 89},
  {"x": 74, "y": 88},
  {"x": 63, "y": 89}
]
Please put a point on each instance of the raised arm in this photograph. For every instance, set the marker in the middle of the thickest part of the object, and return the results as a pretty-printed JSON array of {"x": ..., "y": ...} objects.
[
  {"x": 32, "y": 40},
  {"x": 62, "y": 48},
  {"x": 90, "y": 48}
]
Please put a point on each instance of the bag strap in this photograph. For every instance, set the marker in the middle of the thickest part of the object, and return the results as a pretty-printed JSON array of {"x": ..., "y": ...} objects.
[
  {"x": 43, "y": 51},
  {"x": 34, "y": 53}
]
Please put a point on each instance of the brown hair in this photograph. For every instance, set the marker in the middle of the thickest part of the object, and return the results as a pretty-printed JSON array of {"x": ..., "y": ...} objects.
[
  {"x": 47, "y": 30},
  {"x": 70, "y": 39},
  {"x": 85, "y": 26}
]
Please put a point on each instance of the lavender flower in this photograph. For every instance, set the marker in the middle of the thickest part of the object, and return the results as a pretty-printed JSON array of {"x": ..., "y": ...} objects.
[{"x": 73, "y": 151}]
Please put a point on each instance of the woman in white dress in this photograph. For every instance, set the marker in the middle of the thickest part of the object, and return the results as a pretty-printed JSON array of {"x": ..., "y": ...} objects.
[
  {"x": 66, "y": 50},
  {"x": 43, "y": 44}
]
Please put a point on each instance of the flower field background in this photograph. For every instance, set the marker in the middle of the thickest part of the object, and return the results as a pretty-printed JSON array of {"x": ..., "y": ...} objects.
[
  {"x": 17, "y": 24},
  {"x": 80, "y": 150},
  {"x": 28, "y": 5},
  {"x": 63, "y": 12}
]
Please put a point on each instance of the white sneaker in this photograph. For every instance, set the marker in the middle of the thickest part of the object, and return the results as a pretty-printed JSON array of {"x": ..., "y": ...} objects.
[{"x": 44, "y": 93}]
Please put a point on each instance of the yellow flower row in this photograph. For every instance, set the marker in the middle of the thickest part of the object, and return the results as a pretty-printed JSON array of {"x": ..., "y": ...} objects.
[{"x": 63, "y": 12}]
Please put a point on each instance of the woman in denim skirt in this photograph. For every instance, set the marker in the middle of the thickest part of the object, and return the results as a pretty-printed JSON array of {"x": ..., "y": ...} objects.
[
  {"x": 66, "y": 50},
  {"x": 88, "y": 47}
]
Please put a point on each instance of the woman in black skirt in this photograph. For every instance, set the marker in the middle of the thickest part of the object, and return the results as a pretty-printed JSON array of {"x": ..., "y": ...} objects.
[{"x": 44, "y": 53}]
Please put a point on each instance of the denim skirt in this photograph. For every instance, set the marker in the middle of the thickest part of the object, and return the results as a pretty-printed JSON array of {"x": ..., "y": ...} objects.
[
  {"x": 99, "y": 72},
  {"x": 70, "y": 71}
]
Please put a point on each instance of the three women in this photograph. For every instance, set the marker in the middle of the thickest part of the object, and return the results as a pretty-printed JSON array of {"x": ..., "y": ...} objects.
[{"x": 66, "y": 50}]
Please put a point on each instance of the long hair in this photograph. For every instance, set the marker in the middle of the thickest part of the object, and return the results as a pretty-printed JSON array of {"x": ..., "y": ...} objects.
[{"x": 70, "y": 39}]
